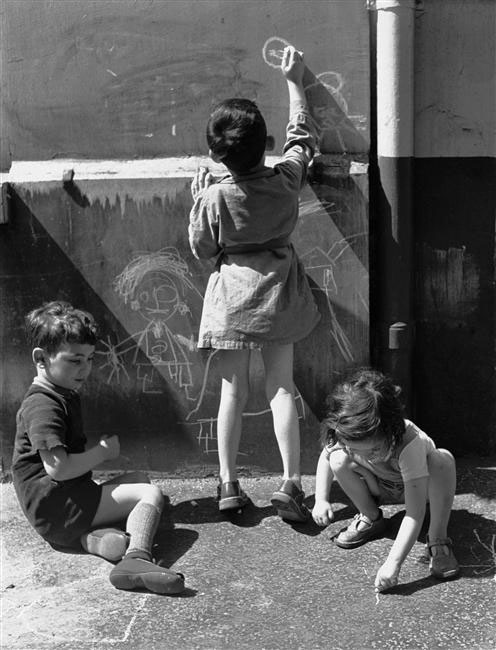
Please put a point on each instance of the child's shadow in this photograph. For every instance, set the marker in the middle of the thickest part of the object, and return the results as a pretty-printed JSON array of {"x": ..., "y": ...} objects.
[
  {"x": 206, "y": 510},
  {"x": 473, "y": 545},
  {"x": 171, "y": 543}
]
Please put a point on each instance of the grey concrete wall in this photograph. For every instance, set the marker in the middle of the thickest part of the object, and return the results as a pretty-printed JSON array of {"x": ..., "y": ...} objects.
[
  {"x": 137, "y": 79},
  {"x": 92, "y": 83}
]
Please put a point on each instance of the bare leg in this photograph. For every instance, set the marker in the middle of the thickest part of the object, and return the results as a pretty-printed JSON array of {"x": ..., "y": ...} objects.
[
  {"x": 359, "y": 484},
  {"x": 442, "y": 486},
  {"x": 349, "y": 476},
  {"x": 369, "y": 478},
  {"x": 122, "y": 500},
  {"x": 279, "y": 386},
  {"x": 142, "y": 504},
  {"x": 234, "y": 365},
  {"x": 107, "y": 542}
]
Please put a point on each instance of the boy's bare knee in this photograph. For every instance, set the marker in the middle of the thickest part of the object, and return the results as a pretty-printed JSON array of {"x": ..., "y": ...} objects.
[{"x": 152, "y": 494}]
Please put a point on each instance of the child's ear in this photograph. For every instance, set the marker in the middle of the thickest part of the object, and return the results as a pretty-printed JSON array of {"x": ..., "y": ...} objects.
[{"x": 38, "y": 356}]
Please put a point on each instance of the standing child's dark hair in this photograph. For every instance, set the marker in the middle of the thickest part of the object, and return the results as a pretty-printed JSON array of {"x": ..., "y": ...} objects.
[
  {"x": 58, "y": 322},
  {"x": 363, "y": 405},
  {"x": 237, "y": 134}
]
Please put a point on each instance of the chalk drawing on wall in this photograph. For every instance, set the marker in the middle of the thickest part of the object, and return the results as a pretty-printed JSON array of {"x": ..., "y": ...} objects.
[
  {"x": 334, "y": 118},
  {"x": 158, "y": 287},
  {"x": 273, "y": 51},
  {"x": 321, "y": 265},
  {"x": 154, "y": 285},
  {"x": 206, "y": 428}
]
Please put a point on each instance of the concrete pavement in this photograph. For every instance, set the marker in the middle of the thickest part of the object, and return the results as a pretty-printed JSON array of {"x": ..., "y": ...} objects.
[{"x": 255, "y": 582}]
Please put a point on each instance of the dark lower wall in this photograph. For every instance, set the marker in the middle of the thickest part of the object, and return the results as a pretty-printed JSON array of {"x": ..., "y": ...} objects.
[{"x": 454, "y": 356}]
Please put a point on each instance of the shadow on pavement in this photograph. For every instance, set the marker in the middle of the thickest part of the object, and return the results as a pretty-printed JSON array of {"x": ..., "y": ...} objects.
[
  {"x": 206, "y": 510},
  {"x": 478, "y": 478}
]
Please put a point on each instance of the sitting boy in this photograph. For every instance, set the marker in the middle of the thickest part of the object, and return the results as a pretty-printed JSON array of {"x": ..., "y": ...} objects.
[{"x": 51, "y": 466}]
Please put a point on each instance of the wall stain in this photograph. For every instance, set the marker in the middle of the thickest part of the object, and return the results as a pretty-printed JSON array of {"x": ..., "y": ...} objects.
[{"x": 450, "y": 284}]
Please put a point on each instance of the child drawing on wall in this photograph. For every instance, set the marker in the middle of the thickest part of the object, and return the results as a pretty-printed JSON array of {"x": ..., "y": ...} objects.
[{"x": 258, "y": 296}]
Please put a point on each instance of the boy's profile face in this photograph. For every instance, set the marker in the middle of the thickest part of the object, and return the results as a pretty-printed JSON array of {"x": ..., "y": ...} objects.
[{"x": 68, "y": 367}]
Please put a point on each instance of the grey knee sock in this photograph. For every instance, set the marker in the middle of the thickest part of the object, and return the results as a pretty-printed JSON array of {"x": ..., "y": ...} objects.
[{"x": 142, "y": 524}]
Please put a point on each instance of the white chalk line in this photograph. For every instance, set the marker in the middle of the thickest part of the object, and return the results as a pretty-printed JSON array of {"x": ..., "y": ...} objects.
[{"x": 107, "y": 641}]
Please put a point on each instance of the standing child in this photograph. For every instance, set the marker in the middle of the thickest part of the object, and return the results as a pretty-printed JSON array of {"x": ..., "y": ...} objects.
[
  {"x": 258, "y": 296},
  {"x": 377, "y": 456},
  {"x": 52, "y": 469}
]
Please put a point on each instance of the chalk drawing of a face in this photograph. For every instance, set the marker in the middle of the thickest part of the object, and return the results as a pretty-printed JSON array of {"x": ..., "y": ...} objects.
[
  {"x": 155, "y": 285},
  {"x": 157, "y": 297}
]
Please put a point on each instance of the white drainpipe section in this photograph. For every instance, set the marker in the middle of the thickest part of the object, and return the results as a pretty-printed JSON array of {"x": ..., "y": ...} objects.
[
  {"x": 395, "y": 74},
  {"x": 395, "y": 27}
]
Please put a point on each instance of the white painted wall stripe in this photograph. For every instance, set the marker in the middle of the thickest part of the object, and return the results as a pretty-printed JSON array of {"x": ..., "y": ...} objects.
[{"x": 36, "y": 171}]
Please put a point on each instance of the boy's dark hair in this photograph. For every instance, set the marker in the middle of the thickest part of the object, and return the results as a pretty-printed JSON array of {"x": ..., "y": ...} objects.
[
  {"x": 237, "y": 134},
  {"x": 365, "y": 404},
  {"x": 58, "y": 322}
]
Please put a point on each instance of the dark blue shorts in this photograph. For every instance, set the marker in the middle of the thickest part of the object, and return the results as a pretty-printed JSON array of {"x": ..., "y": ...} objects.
[{"x": 60, "y": 511}]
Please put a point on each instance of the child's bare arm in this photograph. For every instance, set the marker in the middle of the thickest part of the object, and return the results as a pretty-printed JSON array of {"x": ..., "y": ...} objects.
[
  {"x": 293, "y": 67},
  {"x": 415, "y": 501},
  {"x": 62, "y": 466},
  {"x": 322, "y": 511}
]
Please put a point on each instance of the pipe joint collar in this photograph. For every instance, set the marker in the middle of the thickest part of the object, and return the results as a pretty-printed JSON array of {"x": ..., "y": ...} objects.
[{"x": 386, "y": 5}]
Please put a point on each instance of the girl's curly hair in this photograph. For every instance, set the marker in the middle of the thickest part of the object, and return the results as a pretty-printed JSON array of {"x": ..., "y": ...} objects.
[{"x": 366, "y": 404}]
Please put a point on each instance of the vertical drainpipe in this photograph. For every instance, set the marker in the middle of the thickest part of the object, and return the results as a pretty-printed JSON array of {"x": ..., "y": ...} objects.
[{"x": 392, "y": 231}]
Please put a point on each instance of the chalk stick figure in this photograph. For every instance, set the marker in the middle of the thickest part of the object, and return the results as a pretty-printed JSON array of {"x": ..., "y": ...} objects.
[{"x": 155, "y": 285}]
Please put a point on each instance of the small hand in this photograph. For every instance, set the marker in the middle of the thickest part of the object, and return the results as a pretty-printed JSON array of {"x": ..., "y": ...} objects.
[
  {"x": 322, "y": 513},
  {"x": 292, "y": 64},
  {"x": 202, "y": 179},
  {"x": 387, "y": 576},
  {"x": 111, "y": 447}
]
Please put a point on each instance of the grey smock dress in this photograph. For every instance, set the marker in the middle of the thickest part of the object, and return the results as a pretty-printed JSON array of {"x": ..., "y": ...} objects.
[{"x": 258, "y": 294}]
